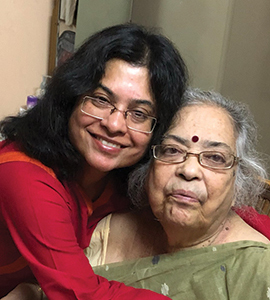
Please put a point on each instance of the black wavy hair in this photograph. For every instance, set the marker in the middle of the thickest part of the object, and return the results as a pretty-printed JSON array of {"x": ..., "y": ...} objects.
[{"x": 42, "y": 133}]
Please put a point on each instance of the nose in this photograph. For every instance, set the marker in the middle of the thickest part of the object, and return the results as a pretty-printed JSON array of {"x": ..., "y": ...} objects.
[
  {"x": 190, "y": 169},
  {"x": 115, "y": 122}
]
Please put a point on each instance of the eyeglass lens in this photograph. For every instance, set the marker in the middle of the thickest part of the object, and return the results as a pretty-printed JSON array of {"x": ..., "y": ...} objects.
[
  {"x": 212, "y": 159},
  {"x": 135, "y": 119}
]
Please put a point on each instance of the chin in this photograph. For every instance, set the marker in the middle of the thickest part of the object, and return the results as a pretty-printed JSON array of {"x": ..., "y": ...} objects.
[
  {"x": 100, "y": 166},
  {"x": 178, "y": 216},
  {"x": 106, "y": 168}
]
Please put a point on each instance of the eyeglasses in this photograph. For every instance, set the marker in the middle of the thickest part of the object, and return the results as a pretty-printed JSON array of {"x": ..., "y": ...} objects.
[
  {"x": 135, "y": 119},
  {"x": 173, "y": 154}
]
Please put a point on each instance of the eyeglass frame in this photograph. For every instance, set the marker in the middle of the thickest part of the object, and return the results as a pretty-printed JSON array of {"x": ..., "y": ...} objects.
[
  {"x": 125, "y": 114},
  {"x": 198, "y": 155}
]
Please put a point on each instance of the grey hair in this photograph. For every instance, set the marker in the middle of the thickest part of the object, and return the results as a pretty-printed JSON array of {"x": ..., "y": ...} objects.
[{"x": 250, "y": 174}]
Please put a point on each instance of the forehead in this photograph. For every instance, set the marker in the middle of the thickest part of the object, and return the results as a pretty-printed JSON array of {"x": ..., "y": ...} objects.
[
  {"x": 207, "y": 122},
  {"x": 121, "y": 68},
  {"x": 122, "y": 79}
]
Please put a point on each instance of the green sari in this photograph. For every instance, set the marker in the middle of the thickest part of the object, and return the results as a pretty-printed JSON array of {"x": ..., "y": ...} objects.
[{"x": 238, "y": 270}]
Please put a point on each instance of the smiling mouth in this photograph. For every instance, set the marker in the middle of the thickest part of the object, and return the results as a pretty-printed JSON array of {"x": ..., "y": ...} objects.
[{"x": 106, "y": 143}]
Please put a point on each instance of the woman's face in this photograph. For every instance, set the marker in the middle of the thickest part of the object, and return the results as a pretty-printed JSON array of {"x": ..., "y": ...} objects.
[
  {"x": 109, "y": 144},
  {"x": 187, "y": 194}
]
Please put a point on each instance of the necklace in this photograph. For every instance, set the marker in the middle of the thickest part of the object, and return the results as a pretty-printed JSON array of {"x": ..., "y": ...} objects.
[
  {"x": 201, "y": 243},
  {"x": 211, "y": 241}
]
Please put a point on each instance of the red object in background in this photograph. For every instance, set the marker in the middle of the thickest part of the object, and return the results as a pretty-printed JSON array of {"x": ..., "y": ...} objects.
[{"x": 258, "y": 221}]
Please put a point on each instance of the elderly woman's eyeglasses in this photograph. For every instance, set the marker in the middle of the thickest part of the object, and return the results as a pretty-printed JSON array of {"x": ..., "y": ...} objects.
[
  {"x": 173, "y": 154},
  {"x": 135, "y": 119}
]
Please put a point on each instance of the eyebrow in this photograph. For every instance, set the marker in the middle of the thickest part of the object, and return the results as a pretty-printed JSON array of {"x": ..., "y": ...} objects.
[
  {"x": 106, "y": 89},
  {"x": 214, "y": 144},
  {"x": 176, "y": 138},
  {"x": 138, "y": 101},
  {"x": 206, "y": 143}
]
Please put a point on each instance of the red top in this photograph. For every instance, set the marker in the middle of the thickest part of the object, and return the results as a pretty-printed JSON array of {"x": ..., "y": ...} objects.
[
  {"x": 255, "y": 220},
  {"x": 44, "y": 227}
]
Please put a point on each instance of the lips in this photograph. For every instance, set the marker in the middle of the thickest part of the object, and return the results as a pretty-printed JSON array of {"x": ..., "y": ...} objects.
[
  {"x": 108, "y": 143},
  {"x": 184, "y": 196}
]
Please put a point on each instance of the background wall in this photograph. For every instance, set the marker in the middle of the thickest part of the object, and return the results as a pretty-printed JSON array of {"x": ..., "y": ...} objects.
[
  {"x": 96, "y": 14},
  {"x": 245, "y": 74},
  {"x": 226, "y": 45},
  {"x": 198, "y": 29},
  {"x": 24, "y": 36}
]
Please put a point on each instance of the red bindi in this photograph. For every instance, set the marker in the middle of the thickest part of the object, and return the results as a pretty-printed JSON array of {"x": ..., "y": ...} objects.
[{"x": 195, "y": 139}]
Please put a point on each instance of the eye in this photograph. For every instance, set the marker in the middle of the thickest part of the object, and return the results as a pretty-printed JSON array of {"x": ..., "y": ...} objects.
[
  {"x": 100, "y": 102},
  {"x": 171, "y": 150},
  {"x": 138, "y": 116},
  {"x": 216, "y": 158}
]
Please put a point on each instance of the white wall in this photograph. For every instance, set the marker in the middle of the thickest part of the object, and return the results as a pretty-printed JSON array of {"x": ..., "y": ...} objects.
[
  {"x": 198, "y": 28},
  {"x": 24, "y": 38},
  {"x": 226, "y": 45},
  {"x": 94, "y": 15},
  {"x": 246, "y": 70}
]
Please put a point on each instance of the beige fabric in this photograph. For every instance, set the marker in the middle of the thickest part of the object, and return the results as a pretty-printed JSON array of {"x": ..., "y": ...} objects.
[
  {"x": 97, "y": 250},
  {"x": 67, "y": 9}
]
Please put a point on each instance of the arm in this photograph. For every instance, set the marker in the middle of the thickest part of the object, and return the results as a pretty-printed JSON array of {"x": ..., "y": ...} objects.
[{"x": 50, "y": 232}]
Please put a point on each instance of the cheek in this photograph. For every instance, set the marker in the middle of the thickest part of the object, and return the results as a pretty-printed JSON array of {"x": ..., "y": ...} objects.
[
  {"x": 74, "y": 126},
  {"x": 140, "y": 140},
  {"x": 221, "y": 190},
  {"x": 77, "y": 128},
  {"x": 156, "y": 188},
  {"x": 79, "y": 122},
  {"x": 231, "y": 189}
]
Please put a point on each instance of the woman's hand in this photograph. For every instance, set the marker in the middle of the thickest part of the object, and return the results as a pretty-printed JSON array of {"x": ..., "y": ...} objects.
[{"x": 26, "y": 291}]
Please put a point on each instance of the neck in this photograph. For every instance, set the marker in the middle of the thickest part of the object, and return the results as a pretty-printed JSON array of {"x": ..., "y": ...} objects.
[
  {"x": 93, "y": 182},
  {"x": 190, "y": 239}
]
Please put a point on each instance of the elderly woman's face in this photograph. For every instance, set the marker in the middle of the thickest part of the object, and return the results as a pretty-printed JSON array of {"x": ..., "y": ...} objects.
[
  {"x": 187, "y": 194},
  {"x": 109, "y": 144}
]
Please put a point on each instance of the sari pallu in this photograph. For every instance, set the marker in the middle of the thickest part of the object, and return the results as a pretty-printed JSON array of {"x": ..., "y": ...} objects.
[{"x": 238, "y": 270}]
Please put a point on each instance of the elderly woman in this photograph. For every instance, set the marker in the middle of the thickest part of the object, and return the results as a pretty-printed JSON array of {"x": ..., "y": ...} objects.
[{"x": 204, "y": 168}]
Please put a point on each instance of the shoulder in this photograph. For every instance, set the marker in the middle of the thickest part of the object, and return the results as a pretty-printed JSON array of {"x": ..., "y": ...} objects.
[
  {"x": 140, "y": 223},
  {"x": 16, "y": 166},
  {"x": 20, "y": 174},
  {"x": 258, "y": 221},
  {"x": 240, "y": 231},
  {"x": 122, "y": 228},
  {"x": 134, "y": 235},
  {"x": 124, "y": 221},
  {"x": 10, "y": 155},
  {"x": 25, "y": 181}
]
